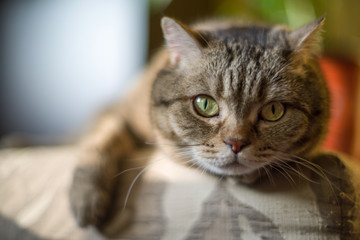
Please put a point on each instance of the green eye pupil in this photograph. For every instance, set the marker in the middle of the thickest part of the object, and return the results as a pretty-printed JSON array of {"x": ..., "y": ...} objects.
[
  {"x": 206, "y": 106},
  {"x": 272, "y": 111}
]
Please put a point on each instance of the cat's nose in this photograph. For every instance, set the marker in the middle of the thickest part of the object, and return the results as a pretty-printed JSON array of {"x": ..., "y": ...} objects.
[{"x": 236, "y": 144}]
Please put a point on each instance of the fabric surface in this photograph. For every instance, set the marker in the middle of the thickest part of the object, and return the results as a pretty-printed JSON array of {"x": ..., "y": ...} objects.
[
  {"x": 176, "y": 202},
  {"x": 34, "y": 194}
]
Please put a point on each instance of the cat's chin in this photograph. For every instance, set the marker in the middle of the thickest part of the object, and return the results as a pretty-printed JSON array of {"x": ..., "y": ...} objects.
[{"x": 231, "y": 169}]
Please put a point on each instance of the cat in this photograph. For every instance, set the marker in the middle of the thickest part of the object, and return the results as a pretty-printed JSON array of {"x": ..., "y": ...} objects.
[{"x": 232, "y": 98}]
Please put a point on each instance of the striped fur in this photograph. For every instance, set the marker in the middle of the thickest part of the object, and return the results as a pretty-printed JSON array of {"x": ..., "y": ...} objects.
[{"x": 243, "y": 68}]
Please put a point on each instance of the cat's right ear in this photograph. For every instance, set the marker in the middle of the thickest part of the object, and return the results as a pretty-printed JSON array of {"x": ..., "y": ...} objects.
[
  {"x": 185, "y": 46},
  {"x": 306, "y": 39}
]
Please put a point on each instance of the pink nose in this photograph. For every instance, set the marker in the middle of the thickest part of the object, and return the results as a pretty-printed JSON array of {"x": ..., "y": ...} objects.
[{"x": 236, "y": 144}]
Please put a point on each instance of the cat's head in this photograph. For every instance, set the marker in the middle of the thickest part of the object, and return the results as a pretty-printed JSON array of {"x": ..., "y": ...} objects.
[{"x": 234, "y": 98}]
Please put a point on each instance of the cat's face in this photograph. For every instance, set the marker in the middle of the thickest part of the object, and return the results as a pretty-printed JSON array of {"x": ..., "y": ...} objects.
[{"x": 236, "y": 106}]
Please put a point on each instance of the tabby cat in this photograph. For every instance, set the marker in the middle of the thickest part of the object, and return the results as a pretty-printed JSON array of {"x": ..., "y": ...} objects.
[{"x": 237, "y": 97}]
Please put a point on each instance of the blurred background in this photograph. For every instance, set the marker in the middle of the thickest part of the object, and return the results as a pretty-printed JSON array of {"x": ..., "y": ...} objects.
[{"x": 62, "y": 61}]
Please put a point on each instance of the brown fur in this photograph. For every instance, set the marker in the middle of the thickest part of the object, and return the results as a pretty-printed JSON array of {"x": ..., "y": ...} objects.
[{"x": 242, "y": 67}]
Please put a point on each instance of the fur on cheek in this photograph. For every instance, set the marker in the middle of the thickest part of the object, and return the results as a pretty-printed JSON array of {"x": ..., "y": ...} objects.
[{"x": 284, "y": 133}]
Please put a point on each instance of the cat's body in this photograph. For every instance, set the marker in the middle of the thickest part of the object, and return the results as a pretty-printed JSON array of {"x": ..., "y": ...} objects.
[{"x": 228, "y": 98}]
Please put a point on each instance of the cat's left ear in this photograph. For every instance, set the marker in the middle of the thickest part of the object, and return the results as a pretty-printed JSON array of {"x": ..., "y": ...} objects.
[
  {"x": 185, "y": 45},
  {"x": 306, "y": 37}
]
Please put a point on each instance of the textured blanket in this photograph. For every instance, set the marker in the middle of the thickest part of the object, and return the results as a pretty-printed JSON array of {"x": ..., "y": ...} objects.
[{"x": 172, "y": 201}]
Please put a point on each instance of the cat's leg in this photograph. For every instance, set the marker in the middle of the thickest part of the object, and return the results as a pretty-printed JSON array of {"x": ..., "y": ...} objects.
[
  {"x": 99, "y": 160},
  {"x": 335, "y": 185},
  {"x": 115, "y": 138}
]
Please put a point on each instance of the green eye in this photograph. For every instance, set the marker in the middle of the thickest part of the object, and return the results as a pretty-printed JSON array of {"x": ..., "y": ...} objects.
[
  {"x": 206, "y": 106},
  {"x": 272, "y": 111}
]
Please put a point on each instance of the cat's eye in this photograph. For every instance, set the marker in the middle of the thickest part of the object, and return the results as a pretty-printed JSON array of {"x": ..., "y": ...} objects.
[
  {"x": 272, "y": 111},
  {"x": 205, "y": 106}
]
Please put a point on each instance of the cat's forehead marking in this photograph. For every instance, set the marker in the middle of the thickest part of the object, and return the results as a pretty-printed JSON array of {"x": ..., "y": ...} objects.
[{"x": 243, "y": 82}]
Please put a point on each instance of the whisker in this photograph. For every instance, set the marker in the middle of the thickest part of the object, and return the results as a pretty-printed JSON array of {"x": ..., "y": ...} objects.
[
  {"x": 298, "y": 172},
  {"x": 187, "y": 154},
  {"x": 268, "y": 174},
  {"x": 316, "y": 166},
  {"x": 324, "y": 174},
  {"x": 181, "y": 154},
  {"x": 221, "y": 178},
  {"x": 312, "y": 167},
  {"x": 284, "y": 173},
  {"x": 132, "y": 185},
  {"x": 127, "y": 170},
  {"x": 172, "y": 144},
  {"x": 305, "y": 163},
  {"x": 285, "y": 164}
]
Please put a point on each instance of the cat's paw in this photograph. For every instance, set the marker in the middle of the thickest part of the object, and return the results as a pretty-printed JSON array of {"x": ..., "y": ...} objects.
[{"x": 89, "y": 200}]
